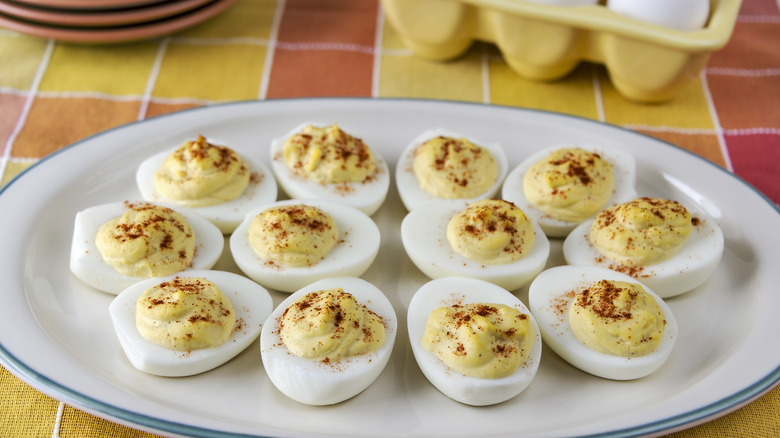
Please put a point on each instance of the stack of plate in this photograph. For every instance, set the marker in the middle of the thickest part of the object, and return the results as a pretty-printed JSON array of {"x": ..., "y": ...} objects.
[{"x": 105, "y": 21}]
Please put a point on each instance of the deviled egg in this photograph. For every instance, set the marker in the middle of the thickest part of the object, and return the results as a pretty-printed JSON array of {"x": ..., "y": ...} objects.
[
  {"x": 291, "y": 243},
  {"x": 320, "y": 161},
  {"x": 190, "y": 322},
  {"x": 328, "y": 341},
  {"x": 603, "y": 322},
  {"x": 212, "y": 180},
  {"x": 562, "y": 186},
  {"x": 492, "y": 240},
  {"x": 474, "y": 341},
  {"x": 119, "y": 244},
  {"x": 440, "y": 164},
  {"x": 656, "y": 241}
]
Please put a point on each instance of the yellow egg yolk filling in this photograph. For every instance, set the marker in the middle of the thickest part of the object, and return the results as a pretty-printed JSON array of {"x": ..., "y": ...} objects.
[
  {"x": 185, "y": 314},
  {"x": 486, "y": 341},
  {"x": 329, "y": 155},
  {"x": 454, "y": 168},
  {"x": 617, "y": 318},
  {"x": 199, "y": 174},
  {"x": 293, "y": 235},
  {"x": 570, "y": 184},
  {"x": 147, "y": 241},
  {"x": 329, "y": 325},
  {"x": 641, "y": 232},
  {"x": 491, "y": 231}
]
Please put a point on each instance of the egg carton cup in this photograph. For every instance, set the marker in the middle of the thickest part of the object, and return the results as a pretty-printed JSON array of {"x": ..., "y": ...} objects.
[{"x": 645, "y": 62}]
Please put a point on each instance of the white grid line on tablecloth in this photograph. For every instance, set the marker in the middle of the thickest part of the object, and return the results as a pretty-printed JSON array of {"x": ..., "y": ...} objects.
[
  {"x": 58, "y": 420},
  {"x": 758, "y": 19},
  {"x": 271, "y": 46},
  {"x": 745, "y": 72},
  {"x": 599, "y": 97},
  {"x": 485, "y": 70},
  {"x": 377, "y": 64},
  {"x": 158, "y": 59},
  {"x": 27, "y": 106},
  {"x": 724, "y": 150}
]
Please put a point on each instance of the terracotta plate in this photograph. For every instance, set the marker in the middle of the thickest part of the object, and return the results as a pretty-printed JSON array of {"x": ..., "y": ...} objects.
[
  {"x": 139, "y": 31},
  {"x": 103, "y": 17},
  {"x": 90, "y": 4}
]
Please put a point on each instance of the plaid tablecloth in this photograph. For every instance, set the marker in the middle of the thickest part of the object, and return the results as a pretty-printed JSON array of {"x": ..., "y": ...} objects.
[{"x": 53, "y": 94}]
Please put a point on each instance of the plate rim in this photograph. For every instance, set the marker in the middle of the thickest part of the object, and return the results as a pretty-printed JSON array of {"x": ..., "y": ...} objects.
[{"x": 141, "y": 421}]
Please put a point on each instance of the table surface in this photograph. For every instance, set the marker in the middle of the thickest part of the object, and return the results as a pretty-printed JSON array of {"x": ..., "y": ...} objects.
[{"x": 53, "y": 94}]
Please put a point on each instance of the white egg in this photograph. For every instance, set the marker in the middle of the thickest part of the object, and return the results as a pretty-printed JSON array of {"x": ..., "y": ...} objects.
[
  {"x": 414, "y": 196},
  {"x": 693, "y": 265},
  {"x": 316, "y": 382},
  {"x": 88, "y": 265},
  {"x": 424, "y": 237},
  {"x": 227, "y": 215},
  {"x": 684, "y": 15},
  {"x": 466, "y": 389},
  {"x": 357, "y": 246},
  {"x": 252, "y": 305},
  {"x": 366, "y": 196},
  {"x": 623, "y": 171},
  {"x": 549, "y": 297}
]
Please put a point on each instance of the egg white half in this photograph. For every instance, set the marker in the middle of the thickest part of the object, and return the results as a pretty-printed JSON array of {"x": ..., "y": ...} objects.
[
  {"x": 691, "y": 267},
  {"x": 353, "y": 254},
  {"x": 549, "y": 297},
  {"x": 623, "y": 170},
  {"x": 465, "y": 389},
  {"x": 424, "y": 237},
  {"x": 251, "y": 302},
  {"x": 365, "y": 196},
  {"x": 314, "y": 382},
  {"x": 88, "y": 265},
  {"x": 226, "y": 216},
  {"x": 414, "y": 196}
]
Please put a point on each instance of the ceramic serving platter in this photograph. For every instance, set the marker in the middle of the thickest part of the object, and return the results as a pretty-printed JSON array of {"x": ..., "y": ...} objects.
[{"x": 55, "y": 332}]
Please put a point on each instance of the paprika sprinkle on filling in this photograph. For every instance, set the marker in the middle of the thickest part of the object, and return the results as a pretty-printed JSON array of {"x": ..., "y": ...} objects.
[
  {"x": 491, "y": 231},
  {"x": 293, "y": 235},
  {"x": 641, "y": 232},
  {"x": 329, "y": 325},
  {"x": 199, "y": 174},
  {"x": 185, "y": 314},
  {"x": 147, "y": 241},
  {"x": 329, "y": 155},
  {"x": 483, "y": 340},
  {"x": 454, "y": 168},
  {"x": 570, "y": 184},
  {"x": 618, "y": 318}
]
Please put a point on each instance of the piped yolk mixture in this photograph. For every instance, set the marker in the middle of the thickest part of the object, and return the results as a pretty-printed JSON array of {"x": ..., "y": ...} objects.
[
  {"x": 199, "y": 174},
  {"x": 491, "y": 231},
  {"x": 487, "y": 341},
  {"x": 570, "y": 184},
  {"x": 617, "y": 318},
  {"x": 147, "y": 241},
  {"x": 454, "y": 168}
]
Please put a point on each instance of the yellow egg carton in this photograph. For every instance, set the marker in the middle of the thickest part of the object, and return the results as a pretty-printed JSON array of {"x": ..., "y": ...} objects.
[{"x": 645, "y": 62}]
